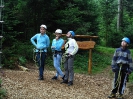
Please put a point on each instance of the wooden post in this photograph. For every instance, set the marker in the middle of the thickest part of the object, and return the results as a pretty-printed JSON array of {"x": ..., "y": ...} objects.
[{"x": 90, "y": 61}]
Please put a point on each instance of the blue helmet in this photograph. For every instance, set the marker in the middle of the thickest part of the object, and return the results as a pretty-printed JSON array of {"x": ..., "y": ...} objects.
[
  {"x": 72, "y": 33},
  {"x": 126, "y": 40}
]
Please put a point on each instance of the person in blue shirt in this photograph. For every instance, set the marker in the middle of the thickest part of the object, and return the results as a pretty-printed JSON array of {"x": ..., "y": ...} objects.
[
  {"x": 41, "y": 42},
  {"x": 56, "y": 47},
  {"x": 122, "y": 66}
]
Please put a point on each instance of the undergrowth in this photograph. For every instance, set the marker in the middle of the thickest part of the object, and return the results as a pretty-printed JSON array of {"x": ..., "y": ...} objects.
[{"x": 2, "y": 91}]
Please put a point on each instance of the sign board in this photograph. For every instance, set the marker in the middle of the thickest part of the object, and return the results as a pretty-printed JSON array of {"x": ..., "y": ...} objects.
[{"x": 86, "y": 44}]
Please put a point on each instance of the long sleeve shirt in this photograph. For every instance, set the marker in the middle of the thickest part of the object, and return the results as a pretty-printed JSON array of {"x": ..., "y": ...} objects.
[
  {"x": 122, "y": 56},
  {"x": 40, "y": 41},
  {"x": 71, "y": 46},
  {"x": 57, "y": 44}
]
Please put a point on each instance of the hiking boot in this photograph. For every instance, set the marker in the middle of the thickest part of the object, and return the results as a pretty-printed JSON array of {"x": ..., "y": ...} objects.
[
  {"x": 112, "y": 95},
  {"x": 54, "y": 78},
  {"x": 63, "y": 77},
  {"x": 41, "y": 78},
  {"x": 64, "y": 81},
  {"x": 120, "y": 96},
  {"x": 70, "y": 83}
]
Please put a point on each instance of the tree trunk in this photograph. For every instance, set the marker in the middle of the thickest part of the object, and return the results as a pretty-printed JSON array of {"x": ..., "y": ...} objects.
[{"x": 119, "y": 19}]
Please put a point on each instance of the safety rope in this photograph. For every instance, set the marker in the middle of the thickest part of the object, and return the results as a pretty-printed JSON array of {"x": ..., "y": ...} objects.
[
  {"x": 35, "y": 55},
  {"x": 64, "y": 57},
  {"x": 119, "y": 77}
]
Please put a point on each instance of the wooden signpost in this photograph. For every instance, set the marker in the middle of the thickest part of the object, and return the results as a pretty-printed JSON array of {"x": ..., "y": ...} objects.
[{"x": 87, "y": 45}]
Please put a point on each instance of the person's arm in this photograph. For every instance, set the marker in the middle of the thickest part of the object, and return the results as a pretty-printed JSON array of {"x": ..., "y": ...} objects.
[
  {"x": 113, "y": 64},
  {"x": 75, "y": 48},
  {"x": 130, "y": 63},
  {"x": 48, "y": 42},
  {"x": 33, "y": 40}
]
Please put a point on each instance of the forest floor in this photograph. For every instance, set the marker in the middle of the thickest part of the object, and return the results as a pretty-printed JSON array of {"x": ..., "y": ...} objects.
[{"x": 25, "y": 85}]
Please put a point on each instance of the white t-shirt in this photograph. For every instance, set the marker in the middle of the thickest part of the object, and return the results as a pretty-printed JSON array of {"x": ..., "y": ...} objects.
[{"x": 71, "y": 46}]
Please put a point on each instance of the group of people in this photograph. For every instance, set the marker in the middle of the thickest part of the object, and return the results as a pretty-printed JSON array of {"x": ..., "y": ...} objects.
[
  {"x": 122, "y": 64},
  {"x": 41, "y": 42}
]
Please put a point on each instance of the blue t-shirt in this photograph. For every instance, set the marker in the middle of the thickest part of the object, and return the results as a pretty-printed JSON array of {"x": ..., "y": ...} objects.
[
  {"x": 57, "y": 44},
  {"x": 40, "y": 41}
]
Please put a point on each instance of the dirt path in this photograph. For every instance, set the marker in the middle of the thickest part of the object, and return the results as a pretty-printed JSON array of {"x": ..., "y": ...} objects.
[{"x": 25, "y": 85}]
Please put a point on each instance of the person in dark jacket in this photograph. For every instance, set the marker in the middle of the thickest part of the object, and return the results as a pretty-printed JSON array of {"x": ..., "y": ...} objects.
[{"x": 122, "y": 66}]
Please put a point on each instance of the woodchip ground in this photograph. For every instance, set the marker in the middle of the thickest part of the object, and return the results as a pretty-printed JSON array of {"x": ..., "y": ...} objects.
[{"x": 25, "y": 85}]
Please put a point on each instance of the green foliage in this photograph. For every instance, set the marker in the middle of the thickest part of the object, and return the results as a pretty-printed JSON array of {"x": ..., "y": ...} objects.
[
  {"x": 107, "y": 21},
  {"x": 109, "y": 36},
  {"x": 131, "y": 78},
  {"x": 101, "y": 58},
  {"x": 19, "y": 53},
  {"x": 2, "y": 91},
  {"x": 22, "y": 60}
]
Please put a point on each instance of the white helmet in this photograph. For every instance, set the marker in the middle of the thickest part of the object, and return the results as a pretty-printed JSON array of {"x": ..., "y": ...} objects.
[
  {"x": 58, "y": 31},
  {"x": 44, "y": 26}
]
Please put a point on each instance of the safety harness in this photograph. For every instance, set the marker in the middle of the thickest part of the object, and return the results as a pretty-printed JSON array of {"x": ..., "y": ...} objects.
[
  {"x": 35, "y": 55},
  {"x": 119, "y": 76}
]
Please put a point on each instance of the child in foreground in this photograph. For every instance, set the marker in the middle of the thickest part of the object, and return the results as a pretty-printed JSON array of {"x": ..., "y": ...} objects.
[{"x": 122, "y": 66}]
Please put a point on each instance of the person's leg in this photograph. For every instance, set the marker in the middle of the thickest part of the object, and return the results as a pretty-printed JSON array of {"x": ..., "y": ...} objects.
[
  {"x": 123, "y": 83},
  {"x": 65, "y": 79},
  {"x": 71, "y": 71},
  {"x": 57, "y": 66},
  {"x": 115, "y": 87},
  {"x": 116, "y": 82},
  {"x": 41, "y": 63}
]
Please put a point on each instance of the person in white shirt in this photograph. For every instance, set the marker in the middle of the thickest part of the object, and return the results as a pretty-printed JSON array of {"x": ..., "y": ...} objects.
[{"x": 71, "y": 48}]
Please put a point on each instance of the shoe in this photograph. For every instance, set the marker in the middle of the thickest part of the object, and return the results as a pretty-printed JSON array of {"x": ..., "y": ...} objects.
[
  {"x": 41, "y": 78},
  {"x": 54, "y": 78},
  {"x": 70, "y": 83},
  {"x": 120, "y": 96},
  {"x": 63, "y": 77},
  {"x": 112, "y": 95},
  {"x": 64, "y": 81}
]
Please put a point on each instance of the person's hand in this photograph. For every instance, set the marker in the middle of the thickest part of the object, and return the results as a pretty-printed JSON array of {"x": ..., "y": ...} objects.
[
  {"x": 56, "y": 37},
  {"x": 114, "y": 70},
  {"x": 128, "y": 72},
  {"x": 52, "y": 47},
  {"x": 70, "y": 54}
]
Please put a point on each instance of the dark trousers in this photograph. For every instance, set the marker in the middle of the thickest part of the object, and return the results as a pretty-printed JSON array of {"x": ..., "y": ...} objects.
[
  {"x": 120, "y": 84},
  {"x": 41, "y": 56}
]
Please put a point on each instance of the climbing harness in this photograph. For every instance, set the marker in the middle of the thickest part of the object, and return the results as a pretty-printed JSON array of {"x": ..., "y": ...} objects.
[
  {"x": 35, "y": 55},
  {"x": 65, "y": 57}
]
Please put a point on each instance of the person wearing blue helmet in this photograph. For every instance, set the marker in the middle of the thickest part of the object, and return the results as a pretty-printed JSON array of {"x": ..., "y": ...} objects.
[
  {"x": 122, "y": 66},
  {"x": 71, "y": 48}
]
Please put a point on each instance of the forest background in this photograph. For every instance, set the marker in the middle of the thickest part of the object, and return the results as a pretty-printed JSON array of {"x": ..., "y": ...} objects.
[{"x": 22, "y": 20}]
